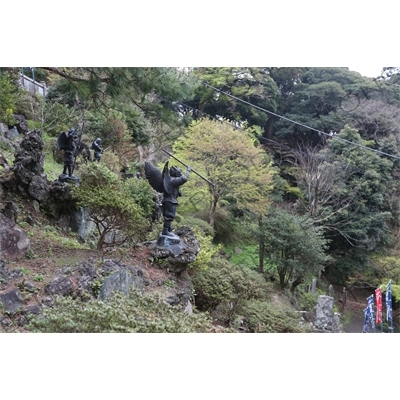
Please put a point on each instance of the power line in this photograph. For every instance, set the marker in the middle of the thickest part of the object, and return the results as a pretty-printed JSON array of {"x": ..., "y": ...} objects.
[{"x": 300, "y": 124}]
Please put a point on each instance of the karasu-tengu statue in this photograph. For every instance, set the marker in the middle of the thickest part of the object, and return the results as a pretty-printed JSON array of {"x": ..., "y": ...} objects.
[
  {"x": 67, "y": 141},
  {"x": 167, "y": 182},
  {"x": 98, "y": 149}
]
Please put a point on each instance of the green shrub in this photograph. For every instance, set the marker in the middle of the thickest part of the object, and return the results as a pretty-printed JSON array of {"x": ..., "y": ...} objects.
[
  {"x": 141, "y": 193},
  {"x": 307, "y": 301},
  {"x": 224, "y": 283},
  {"x": 112, "y": 210},
  {"x": 97, "y": 174},
  {"x": 8, "y": 100},
  {"x": 118, "y": 314},
  {"x": 263, "y": 317},
  {"x": 203, "y": 226},
  {"x": 248, "y": 257},
  {"x": 28, "y": 106}
]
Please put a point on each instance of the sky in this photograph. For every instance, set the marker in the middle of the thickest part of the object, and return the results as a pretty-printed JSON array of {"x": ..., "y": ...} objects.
[{"x": 370, "y": 72}]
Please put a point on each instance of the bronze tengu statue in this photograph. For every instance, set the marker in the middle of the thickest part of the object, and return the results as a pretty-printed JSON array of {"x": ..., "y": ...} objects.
[{"x": 167, "y": 182}]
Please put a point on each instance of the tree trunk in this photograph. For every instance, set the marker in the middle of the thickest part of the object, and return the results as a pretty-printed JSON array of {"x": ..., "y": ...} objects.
[
  {"x": 212, "y": 212},
  {"x": 296, "y": 283},
  {"x": 269, "y": 127}
]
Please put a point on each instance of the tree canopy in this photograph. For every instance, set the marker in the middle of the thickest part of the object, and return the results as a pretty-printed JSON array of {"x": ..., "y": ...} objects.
[{"x": 240, "y": 171}]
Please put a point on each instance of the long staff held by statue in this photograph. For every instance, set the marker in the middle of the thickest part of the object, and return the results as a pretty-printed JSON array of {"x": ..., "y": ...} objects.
[{"x": 202, "y": 177}]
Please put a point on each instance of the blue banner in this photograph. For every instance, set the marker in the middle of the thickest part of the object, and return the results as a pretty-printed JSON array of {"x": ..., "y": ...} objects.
[
  {"x": 366, "y": 321},
  {"x": 389, "y": 310},
  {"x": 370, "y": 307}
]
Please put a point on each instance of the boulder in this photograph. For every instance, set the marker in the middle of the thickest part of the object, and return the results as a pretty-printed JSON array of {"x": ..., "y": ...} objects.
[
  {"x": 29, "y": 161},
  {"x": 60, "y": 285},
  {"x": 325, "y": 319},
  {"x": 176, "y": 255},
  {"x": 38, "y": 188},
  {"x": 22, "y": 125},
  {"x": 11, "y": 301},
  {"x": 122, "y": 281},
  {"x": 13, "y": 241}
]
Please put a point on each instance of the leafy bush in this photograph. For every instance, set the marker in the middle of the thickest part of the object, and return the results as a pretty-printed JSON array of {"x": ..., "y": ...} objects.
[
  {"x": 248, "y": 257},
  {"x": 224, "y": 283},
  {"x": 97, "y": 174},
  {"x": 28, "y": 106},
  {"x": 118, "y": 314},
  {"x": 112, "y": 161},
  {"x": 141, "y": 193},
  {"x": 203, "y": 226},
  {"x": 110, "y": 207},
  {"x": 207, "y": 251},
  {"x": 263, "y": 317},
  {"x": 307, "y": 301},
  {"x": 56, "y": 117},
  {"x": 112, "y": 210},
  {"x": 8, "y": 100}
]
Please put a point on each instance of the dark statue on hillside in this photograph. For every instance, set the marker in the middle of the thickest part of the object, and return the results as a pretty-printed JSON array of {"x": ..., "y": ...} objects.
[
  {"x": 167, "y": 183},
  {"x": 98, "y": 149},
  {"x": 67, "y": 141}
]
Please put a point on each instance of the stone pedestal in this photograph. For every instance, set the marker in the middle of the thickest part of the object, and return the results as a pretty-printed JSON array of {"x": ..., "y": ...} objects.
[
  {"x": 166, "y": 241},
  {"x": 64, "y": 178}
]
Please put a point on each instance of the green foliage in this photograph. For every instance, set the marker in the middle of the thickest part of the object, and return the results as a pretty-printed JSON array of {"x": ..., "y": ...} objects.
[
  {"x": 223, "y": 283},
  {"x": 238, "y": 297},
  {"x": 203, "y": 226},
  {"x": 112, "y": 210},
  {"x": 261, "y": 316},
  {"x": 226, "y": 229},
  {"x": 363, "y": 222},
  {"x": 240, "y": 171},
  {"x": 56, "y": 117},
  {"x": 307, "y": 300},
  {"x": 387, "y": 265},
  {"x": 57, "y": 236},
  {"x": 38, "y": 278},
  {"x": 207, "y": 251},
  {"x": 247, "y": 256},
  {"x": 141, "y": 193},
  {"x": 98, "y": 174},
  {"x": 294, "y": 245},
  {"x": 110, "y": 206},
  {"x": 29, "y": 106},
  {"x": 8, "y": 100},
  {"x": 395, "y": 291},
  {"x": 251, "y": 84},
  {"x": 135, "y": 312}
]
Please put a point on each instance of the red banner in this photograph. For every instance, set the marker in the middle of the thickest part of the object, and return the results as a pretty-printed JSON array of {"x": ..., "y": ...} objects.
[{"x": 378, "y": 297}]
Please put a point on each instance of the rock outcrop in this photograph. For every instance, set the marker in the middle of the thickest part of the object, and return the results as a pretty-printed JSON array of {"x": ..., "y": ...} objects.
[
  {"x": 325, "y": 319},
  {"x": 13, "y": 241},
  {"x": 176, "y": 257}
]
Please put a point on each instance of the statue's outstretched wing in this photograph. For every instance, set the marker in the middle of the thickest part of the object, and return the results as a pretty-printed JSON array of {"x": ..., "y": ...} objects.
[
  {"x": 167, "y": 179},
  {"x": 62, "y": 141},
  {"x": 154, "y": 176}
]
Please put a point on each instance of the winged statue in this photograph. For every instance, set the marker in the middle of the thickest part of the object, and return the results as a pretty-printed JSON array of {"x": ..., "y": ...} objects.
[{"x": 167, "y": 182}]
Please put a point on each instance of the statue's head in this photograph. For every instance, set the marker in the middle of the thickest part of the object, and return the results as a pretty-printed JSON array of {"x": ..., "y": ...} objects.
[
  {"x": 72, "y": 134},
  {"x": 175, "y": 172}
]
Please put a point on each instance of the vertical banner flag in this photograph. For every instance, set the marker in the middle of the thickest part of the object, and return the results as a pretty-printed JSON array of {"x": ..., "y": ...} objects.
[
  {"x": 378, "y": 298},
  {"x": 366, "y": 321},
  {"x": 370, "y": 307},
  {"x": 389, "y": 304}
]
